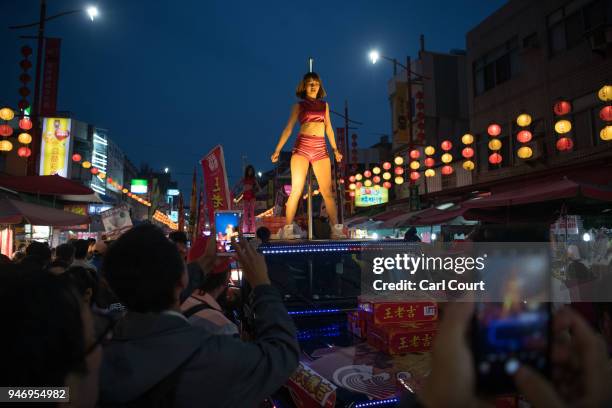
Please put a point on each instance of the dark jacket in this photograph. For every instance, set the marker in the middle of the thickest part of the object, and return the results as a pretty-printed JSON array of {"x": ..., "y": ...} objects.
[{"x": 219, "y": 371}]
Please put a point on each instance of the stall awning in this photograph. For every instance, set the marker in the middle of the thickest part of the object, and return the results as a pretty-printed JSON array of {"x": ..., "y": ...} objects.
[
  {"x": 46, "y": 185},
  {"x": 435, "y": 216},
  {"x": 17, "y": 212}
]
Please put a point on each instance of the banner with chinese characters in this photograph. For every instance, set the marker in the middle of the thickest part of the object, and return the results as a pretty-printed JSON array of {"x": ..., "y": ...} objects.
[
  {"x": 55, "y": 147},
  {"x": 367, "y": 196},
  {"x": 80, "y": 209},
  {"x": 215, "y": 181},
  {"x": 48, "y": 103}
]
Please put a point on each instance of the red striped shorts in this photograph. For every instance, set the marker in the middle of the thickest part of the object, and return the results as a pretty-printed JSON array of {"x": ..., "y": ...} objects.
[{"x": 311, "y": 147}]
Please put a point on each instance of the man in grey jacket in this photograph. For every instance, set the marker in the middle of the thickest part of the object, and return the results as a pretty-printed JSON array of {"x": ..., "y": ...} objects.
[{"x": 154, "y": 342}]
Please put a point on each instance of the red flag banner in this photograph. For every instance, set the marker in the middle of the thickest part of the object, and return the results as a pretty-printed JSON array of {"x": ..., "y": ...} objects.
[
  {"x": 48, "y": 102},
  {"x": 215, "y": 181}
]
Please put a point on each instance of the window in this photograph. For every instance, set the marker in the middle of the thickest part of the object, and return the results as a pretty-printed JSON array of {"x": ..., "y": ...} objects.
[{"x": 495, "y": 67}]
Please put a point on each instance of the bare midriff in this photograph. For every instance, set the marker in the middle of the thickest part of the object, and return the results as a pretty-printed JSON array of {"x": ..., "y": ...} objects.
[{"x": 313, "y": 129}]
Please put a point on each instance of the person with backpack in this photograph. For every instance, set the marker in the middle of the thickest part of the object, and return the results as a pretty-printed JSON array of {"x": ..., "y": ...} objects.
[{"x": 157, "y": 358}]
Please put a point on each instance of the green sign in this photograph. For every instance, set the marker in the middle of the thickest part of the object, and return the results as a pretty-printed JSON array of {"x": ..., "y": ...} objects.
[
  {"x": 367, "y": 196},
  {"x": 139, "y": 186}
]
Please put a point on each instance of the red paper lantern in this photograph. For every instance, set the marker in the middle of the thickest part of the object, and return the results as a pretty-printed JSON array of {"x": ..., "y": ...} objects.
[
  {"x": 24, "y": 152},
  {"x": 446, "y": 145},
  {"x": 367, "y": 174},
  {"x": 565, "y": 144},
  {"x": 494, "y": 130},
  {"x": 94, "y": 170},
  {"x": 76, "y": 157},
  {"x": 5, "y": 130},
  {"x": 110, "y": 180},
  {"x": 415, "y": 154},
  {"x": 467, "y": 152},
  {"x": 387, "y": 184},
  {"x": 399, "y": 171},
  {"x": 25, "y": 123},
  {"x": 429, "y": 162},
  {"x": 606, "y": 113},
  {"x": 414, "y": 175},
  {"x": 419, "y": 95},
  {"x": 495, "y": 158},
  {"x": 420, "y": 105},
  {"x": 376, "y": 179},
  {"x": 352, "y": 179},
  {"x": 524, "y": 136},
  {"x": 386, "y": 165},
  {"x": 358, "y": 184},
  {"x": 562, "y": 108},
  {"x": 447, "y": 170}
]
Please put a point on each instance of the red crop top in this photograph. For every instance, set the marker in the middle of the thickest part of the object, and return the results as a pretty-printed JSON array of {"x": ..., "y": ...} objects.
[{"x": 312, "y": 110}]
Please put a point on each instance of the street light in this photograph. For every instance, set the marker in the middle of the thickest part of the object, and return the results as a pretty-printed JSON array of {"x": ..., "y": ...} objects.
[
  {"x": 166, "y": 170},
  {"x": 259, "y": 174},
  {"x": 92, "y": 12}
]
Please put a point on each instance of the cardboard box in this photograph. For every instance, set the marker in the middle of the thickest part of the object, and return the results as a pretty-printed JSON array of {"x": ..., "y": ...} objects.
[
  {"x": 402, "y": 338},
  {"x": 403, "y": 312}
]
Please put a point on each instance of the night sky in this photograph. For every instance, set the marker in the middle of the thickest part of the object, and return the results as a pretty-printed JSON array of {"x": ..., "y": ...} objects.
[{"x": 170, "y": 80}]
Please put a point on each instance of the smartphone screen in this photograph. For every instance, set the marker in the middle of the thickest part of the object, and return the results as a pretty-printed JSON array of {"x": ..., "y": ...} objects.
[{"x": 226, "y": 227}]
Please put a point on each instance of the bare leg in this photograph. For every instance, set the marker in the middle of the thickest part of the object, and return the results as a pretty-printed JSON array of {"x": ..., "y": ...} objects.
[
  {"x": 322, "y": 170},
  {"x": 299, "y": 171}
]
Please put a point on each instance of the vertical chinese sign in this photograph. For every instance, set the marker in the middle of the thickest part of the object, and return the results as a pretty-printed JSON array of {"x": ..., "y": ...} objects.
[
  {"x": 55, "y": 148},
  {"x": 48, "y": 103}
]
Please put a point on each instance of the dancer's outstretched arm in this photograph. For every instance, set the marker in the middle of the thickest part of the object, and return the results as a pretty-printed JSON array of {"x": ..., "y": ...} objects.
[{"x": 286, "y": 132}]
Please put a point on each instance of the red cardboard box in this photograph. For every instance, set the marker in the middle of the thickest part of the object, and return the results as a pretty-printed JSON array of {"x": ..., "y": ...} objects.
[
  {"x": 403, "y": 312},
  {"x": 308, "y": 389},
  {"x": 402, "y": 338}
]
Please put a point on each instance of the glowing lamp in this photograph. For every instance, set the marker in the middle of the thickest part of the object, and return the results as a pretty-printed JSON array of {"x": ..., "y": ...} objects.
[
  {"x": 429, "y": 162},
  {"x": 376, "y": 179},
  {"x": 376, "y": 170},
  {"x": 495, "y": 158},
  {"x": 367, "y": 183},
  {"x": 86, "y": 165},
  {"x": 386, "y": 175},
  {"x": 24, "y": 138},
  {"x": 102, "y": 175},
  {"x": 110, "y": 180},
  {"x": 5, "y": 146},
  {"x": 125, "y": 190},
  {"x": 5, "y": 130},
  {"x": 399, "y": 171},
  {"x": 414, "y": 175},
  {"x": 430, "y": 173},
  {"x": 606, "y": 133},
  {"x": 24, "y": 152},
  {"x": 605, "y": 93},
  {"x": 398, "y": 161},
  {"x": 524, "y": 136},
  {"x": 94, "y": 170},
  {"x": 446, "y": 158},
  {"x": 562, "y": 108},
  {"x": 564, "y": 144},
  {"x": 563, "y": 126},
  {"x": 494, "y": 130},
  {"x": 414, "y": 165},
  {"x": 76, "y": 157},
  {"x": 386, "y": 165},
  {"x": 430, "y": 150},
  {"x": 468, "y": 165},
  {"x": 415, "y": 154},
  {"x": 367, "y": 174},
  {"x": 358, "y": 177},
  {"x": 523, "y": 120},
  {"x": 606, "y": 113},
  {"x": 358, "y": 184},
  {"x": 467, "y": 152},
  {"x": 387, "y": 184},
  {"x": 399, "y": 180},
  {"x": 6, "y": 114},
  {"x": 352, "y": 194},
  {"x": 467, "y": 139},
  {"x": 446, "y": 170},
  {"x": 352, "y": 179},
  {"x": 446, "y": 145},
  {"x": 495, "y": 144},
  {"x": 524, "y": 152},
  {"x": 25, "y": 123},
  {"x": 352, "y": 186},
  {"x": 341, "y": 181}
]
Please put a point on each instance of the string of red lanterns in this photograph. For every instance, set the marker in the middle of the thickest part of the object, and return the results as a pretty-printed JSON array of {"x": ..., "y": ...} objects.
[
  {"x": 605, "y": 114},
  {"x": 524, "y": 136}
]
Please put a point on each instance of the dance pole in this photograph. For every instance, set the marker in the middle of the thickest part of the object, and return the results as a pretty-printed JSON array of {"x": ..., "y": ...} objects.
[{"x": 309, "y": 199}]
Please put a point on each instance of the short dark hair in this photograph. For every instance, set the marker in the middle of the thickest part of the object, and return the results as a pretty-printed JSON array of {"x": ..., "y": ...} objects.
[
  {"x": 213, "y": 281},
  {"x": 249, "y": 169},
  {"x": 263, "y": 233},
  {"x": 143, "y": 268},
  {"x": 80, "y": 248},
  {"x": 32, "y": 304},
  {"x": 300, "y": 91},
  {"x": 178, "y": 237},
  {"x": 65, "y": 252},
  {"x": 83, "y": 279},
  {"x": 40, "y": 251}
]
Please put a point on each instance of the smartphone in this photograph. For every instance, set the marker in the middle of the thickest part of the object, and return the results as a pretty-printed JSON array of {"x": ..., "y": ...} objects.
[{"x": 227, "y": 225}]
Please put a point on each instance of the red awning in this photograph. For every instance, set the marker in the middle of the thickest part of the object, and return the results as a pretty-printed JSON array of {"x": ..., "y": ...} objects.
[
  {"x": 434, "y": 216},
  {"x": 17, "y": 212},
  {"x": 387, "y": 215},
  {"x": 46, "y": 185},
  {"x": 541, "y": 191}
]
